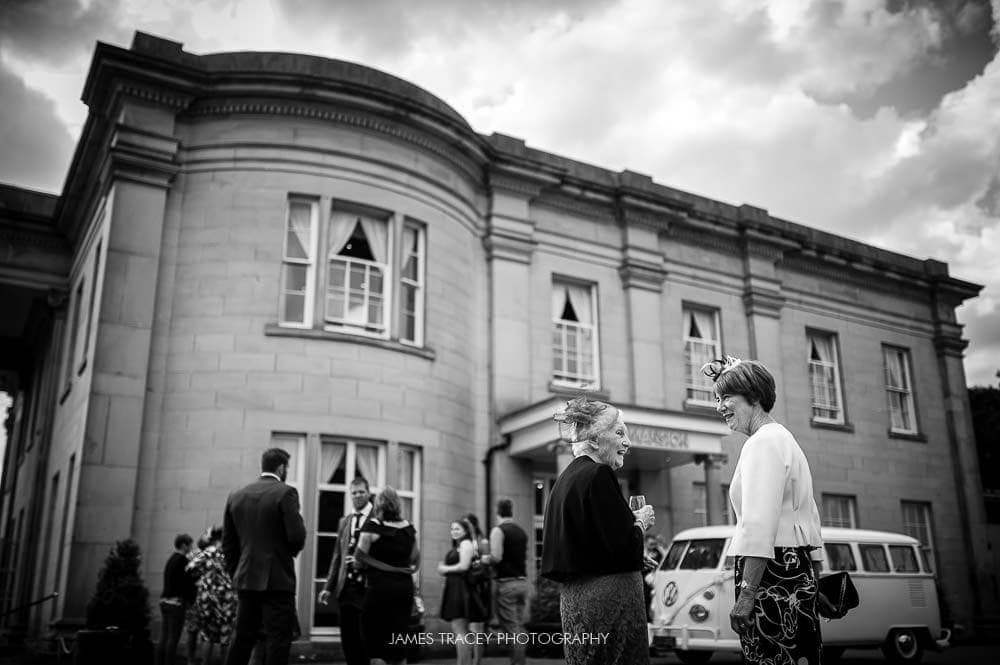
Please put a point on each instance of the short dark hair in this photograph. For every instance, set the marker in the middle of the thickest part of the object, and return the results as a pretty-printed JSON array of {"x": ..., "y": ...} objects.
[
  {"x": 272, "y": 459},
  {"x": 748, "y": 378},
  {"x": 388, "y": 507},
  {"x": 505, "y": 508},
  {"x": 474, "y": 521},
  {"x": 361, "y": 480},
  {"x": 181, "y": 540}
]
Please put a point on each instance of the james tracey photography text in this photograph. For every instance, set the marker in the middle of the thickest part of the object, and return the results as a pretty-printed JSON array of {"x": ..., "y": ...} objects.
[{"x": 503, "y": 639}]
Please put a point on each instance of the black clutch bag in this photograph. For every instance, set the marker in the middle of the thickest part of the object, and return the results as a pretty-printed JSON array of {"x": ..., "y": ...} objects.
[{"x": 841, "y": 592}]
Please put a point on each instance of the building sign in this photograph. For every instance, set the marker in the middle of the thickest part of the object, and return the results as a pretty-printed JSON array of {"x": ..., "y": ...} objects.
[{"x": 658, "y": 438}]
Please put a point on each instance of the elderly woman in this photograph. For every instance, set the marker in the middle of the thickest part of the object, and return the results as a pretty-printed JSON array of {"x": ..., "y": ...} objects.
[
  {"x": 777, "y": 543},
  {"x": 593, "y": 542}
]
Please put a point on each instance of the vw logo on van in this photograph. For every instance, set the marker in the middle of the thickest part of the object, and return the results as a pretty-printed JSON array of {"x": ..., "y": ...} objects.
[{"x": 670, "y": 594}]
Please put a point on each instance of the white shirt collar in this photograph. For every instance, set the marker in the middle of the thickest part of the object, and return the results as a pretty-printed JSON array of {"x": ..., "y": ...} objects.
[
  {"x": 272, "y": 475},
  {"x": 364, "y": 511}
]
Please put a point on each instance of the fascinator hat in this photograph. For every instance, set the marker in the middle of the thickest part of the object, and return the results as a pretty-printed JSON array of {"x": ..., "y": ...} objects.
[
  {"x": 718, "y": 367},
  {"x": 578, "y": 418}
]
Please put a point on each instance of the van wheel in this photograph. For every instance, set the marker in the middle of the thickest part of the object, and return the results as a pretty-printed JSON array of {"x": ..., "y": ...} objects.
[
  {"x": 903, "y": 646},
  {"x": 832, "y": 655},
  {"x": 694, "y": 657}
]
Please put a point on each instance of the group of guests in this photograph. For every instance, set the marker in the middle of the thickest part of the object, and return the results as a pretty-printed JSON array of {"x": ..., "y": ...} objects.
[
  {"x": 594, "y": 544},
  {"x": 198, "y": 598},
  {"x": 593, "y": 541},
  {"x": 372, "y": 578}
]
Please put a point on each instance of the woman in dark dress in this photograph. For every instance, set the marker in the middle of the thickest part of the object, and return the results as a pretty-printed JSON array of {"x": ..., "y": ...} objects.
[
  {"x": 387, "y": 549},
  {"x": 458, "y": 604},
  {"x": 593, "y": 541}
]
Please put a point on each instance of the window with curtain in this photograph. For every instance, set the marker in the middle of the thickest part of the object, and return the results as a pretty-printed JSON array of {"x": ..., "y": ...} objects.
[
  {"x": 701, "y": 345},
  {"x": 839, "y": 510},
  {"x": 824, "y": 378},
  {"x": 298, "y": 277},
  {"x": 340, "y": 462},
  {"x": 574, "y": 335},
  {"x": 411, "y": 285},
  {"x": 899, "y": 390},
  {"x": 74, "y": 330},
  {"x": 917, "y": 524},
  {"x": 357, "y": 272},
  {"x": 366, "y": 286}
]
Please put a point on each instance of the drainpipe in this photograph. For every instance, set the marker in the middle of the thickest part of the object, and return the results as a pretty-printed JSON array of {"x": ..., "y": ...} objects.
[{"x": 488, "y": 463}]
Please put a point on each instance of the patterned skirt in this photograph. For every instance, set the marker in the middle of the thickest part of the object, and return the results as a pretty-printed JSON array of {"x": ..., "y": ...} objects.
[
  {"x": 786, "y": 627},
  {"x": 604, "y": 621}
]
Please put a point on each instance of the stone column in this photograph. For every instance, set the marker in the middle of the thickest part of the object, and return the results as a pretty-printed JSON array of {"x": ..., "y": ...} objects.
[
  {"x": 642, "y": 274},
  {"x": 139, "y": 169},
  {"x": 564, "y": 455},
  {"x": 713, "y": 484},
  {"x": 949, "y": 345},
  {"x": 762, "y": 297}
]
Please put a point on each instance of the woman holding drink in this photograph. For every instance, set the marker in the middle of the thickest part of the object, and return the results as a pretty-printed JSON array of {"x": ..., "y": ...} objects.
[{"x": 593, "y": 541}]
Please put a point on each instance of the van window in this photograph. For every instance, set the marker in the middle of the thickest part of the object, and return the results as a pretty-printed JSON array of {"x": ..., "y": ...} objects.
[
  {"x": 904, "y": 559},
  {"x": 703, "y": 554},
  {"x": 840, "y": 557},
  {"x": 873, "y": 558},
  {"x": 674, "y": 555}
]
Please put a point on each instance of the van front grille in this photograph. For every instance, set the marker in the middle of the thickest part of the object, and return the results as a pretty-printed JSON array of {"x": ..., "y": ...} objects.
[{"x": 918, "y": 597}]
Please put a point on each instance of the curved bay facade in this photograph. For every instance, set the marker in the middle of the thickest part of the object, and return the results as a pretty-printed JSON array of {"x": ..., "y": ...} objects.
[{"x": 256, "y": 249}]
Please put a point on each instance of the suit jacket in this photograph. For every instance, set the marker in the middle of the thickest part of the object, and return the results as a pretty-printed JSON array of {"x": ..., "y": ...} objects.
[
  {"x": 772, "y": 496},
  {"x": 337, "y": 575},
  {"x": 263, "y": 532}
]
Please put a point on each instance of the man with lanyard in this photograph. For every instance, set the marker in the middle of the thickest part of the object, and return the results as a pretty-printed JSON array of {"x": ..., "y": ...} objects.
[
  {"x": 508, "y": 554},
  {"x": 345, "y": 583}
]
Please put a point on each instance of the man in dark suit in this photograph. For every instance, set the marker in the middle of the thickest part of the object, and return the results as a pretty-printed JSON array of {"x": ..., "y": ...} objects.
[
  {"x": 263, "y": 532},
  {"x": 346, "y": 584}
]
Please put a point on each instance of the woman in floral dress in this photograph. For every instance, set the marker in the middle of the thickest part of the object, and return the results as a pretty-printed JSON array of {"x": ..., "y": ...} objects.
[{"x": 214, "y": 610}]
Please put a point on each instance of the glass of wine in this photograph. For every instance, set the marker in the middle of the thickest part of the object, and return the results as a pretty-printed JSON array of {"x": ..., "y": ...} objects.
[{"x": 637, "y": 502}]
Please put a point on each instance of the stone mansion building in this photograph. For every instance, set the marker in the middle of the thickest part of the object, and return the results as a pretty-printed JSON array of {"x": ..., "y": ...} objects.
[{"x": 261, "y": 249}]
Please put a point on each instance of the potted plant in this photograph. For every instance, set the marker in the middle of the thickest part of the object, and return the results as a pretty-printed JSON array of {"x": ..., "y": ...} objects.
[
  {"x": 118, "y": 613},
  {"x": 545, "y": 619}
]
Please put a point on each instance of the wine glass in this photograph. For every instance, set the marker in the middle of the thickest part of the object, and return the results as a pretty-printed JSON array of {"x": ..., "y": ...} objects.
[{"x": 637, "y": 502}]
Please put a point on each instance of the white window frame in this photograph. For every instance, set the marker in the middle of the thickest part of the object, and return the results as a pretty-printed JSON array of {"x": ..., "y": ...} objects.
[
  {"x": 916, "y": 528},
  {"x": 73, "y": 332},
  {"x": 416, "y": 284},
  {"x": 563, "y": 328},
  {"x": 821, "y": 366},
  {"x": 309, "y": 263},
  {"x": 350, "y": 471},
  {"x": 905, "y": 391},
  {"x": 694, "y": 381},
  {"x": 840, "y": 501}
]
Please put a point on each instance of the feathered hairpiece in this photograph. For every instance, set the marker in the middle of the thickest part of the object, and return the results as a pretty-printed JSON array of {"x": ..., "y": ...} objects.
[
  {"x": 718, "y": 367},
  {"x": 580, "y": 413}
]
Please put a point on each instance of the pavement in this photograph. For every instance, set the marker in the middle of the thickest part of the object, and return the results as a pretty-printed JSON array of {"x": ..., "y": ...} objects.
[{"x": 970, "y": 654}]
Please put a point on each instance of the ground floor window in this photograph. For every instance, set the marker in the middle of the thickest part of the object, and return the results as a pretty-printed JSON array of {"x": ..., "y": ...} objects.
[{"x": 322, "y": 468}]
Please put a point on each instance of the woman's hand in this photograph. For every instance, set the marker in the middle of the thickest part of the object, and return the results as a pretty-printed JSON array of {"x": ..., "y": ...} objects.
[
  {"x": 443, "y": 569},
  {"x": 825, "y": 608},
  {"x": 645, "y": 516},
  {"x": 741, "y": 618}
]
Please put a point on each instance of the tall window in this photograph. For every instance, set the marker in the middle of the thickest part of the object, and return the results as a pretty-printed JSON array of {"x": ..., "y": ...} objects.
[
  {"x": 840, "y": 510},
  {"x": 701, "y": 345},
  {"x": 824, "y": 377},
  {"x": 701, "y": 504},
  {"x": 92, "y": 305},
  {"x": 340, "y": 462},
  {"x": 917, "y": 523},
  {"x": 411, "y": 285},
  {"x": 899, "y": 389},
  {"x": 357, "y": 273},
  {"x": 574, "y": 335},
  {"x": 63, "y": 529},
  {"x": 74, "y": 330},
  {"x": 358, "y": 287},
  {"x": 298, "y": 277}
]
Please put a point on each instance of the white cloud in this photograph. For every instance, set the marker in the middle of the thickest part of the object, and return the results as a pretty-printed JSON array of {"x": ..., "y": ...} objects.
[{"x": 733, "y": 99}]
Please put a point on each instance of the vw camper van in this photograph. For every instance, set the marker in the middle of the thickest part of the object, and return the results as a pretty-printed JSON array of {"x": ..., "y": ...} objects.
[{"x": 693, "y": 595}]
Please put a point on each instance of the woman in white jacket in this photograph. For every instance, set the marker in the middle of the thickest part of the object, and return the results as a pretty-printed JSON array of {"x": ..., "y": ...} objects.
[{"x": 777, "y": 542}]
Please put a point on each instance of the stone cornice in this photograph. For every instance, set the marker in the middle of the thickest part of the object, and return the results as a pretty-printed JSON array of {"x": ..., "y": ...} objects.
[
  {"x": 700, "y": 236},
  {"x": 644, "y": 275},
  {"x": 859, "y": 275},
  {"x": 949, "y": 345},
  {"x": 142, "y": 156},
  {"x": 509, "y": 247},
  {"x": 759, "y": 301}
]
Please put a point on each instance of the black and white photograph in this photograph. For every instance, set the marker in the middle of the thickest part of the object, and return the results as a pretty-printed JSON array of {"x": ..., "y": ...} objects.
[{"x": 475, "y": 332}]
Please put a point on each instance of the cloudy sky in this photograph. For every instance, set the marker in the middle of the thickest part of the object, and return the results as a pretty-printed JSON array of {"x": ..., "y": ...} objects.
[{"x": 874, "y": 119}]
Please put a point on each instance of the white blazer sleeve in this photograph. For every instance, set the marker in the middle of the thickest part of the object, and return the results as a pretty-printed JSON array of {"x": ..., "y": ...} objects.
[{"x": 763, "y": 475}]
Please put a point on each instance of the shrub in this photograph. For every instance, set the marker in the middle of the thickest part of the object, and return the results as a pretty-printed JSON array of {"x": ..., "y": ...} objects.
[{"x": 121, "y": 599}]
